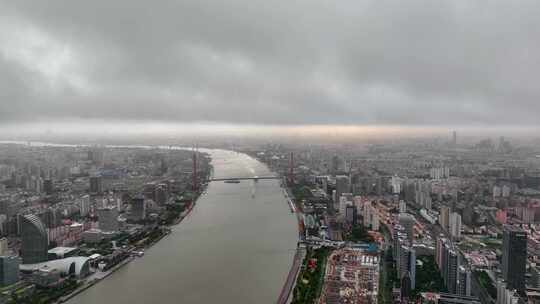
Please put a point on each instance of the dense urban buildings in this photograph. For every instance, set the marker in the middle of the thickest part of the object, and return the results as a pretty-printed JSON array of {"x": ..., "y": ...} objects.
[
  {"x": 68, "y": 215},
  {"x": 443, "y": 211},
  {"x": 462, "y": 227}
]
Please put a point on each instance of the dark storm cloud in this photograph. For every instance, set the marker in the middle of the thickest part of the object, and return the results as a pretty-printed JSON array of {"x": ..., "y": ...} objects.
[{"x": 271, "y": 62}]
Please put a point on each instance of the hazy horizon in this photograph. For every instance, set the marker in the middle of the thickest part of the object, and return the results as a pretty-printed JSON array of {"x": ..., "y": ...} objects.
[{"x": 99, "y": 131}]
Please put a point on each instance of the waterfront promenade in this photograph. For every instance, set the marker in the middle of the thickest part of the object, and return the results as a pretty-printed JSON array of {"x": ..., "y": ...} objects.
[{"x": 292, "y": 277}]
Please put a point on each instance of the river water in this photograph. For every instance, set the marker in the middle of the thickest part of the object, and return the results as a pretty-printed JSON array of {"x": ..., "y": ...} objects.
[{"x": 236, "y": 246}]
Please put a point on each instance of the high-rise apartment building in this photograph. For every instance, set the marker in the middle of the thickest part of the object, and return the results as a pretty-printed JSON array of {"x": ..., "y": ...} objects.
[
  {"x": 351, "y": 215},
  {"x": 514, "y": 257},
  {"x": 446, "y": 257},
  {"x": 444, "y": 217},
  {"x": 451, "y": 273},
  {"x": 455, "y": 225},
  {"x": 342, "y": 186},
  {"x": 407, "y": 221},
  {"x": 407, "y": 264},
  {"x": 464, "y": 281}
]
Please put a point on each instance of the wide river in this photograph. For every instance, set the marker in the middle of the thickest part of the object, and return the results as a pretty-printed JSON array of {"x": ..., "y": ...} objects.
[{"x": 236, "y": 246}]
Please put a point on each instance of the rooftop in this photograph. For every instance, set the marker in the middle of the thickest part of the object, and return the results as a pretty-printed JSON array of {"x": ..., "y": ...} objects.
[{"x": 61, "y": 250}]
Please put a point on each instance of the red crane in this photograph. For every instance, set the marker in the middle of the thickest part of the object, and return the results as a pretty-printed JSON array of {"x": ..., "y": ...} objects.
[
  {"x": 291, "y": 169},
  {"x": 195, "y": 181}
]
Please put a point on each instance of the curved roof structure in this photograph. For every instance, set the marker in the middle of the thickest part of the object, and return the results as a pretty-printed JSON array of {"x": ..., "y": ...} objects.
[
  {"x": 36, "y": 222},
  {"x": 79, "y": 266},
  {"x": 35, "y": 240}
]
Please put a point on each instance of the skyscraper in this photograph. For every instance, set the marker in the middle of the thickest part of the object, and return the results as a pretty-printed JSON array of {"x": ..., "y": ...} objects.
[
  {"x": 439, "y": 249},
  {"x": 4, "y": 246},
  {"x": 35, "y": 240},
  {"x": 396, "y": 183},
  {"x": 407, "y": 264},
  {"x": 407, "y": 221},
  {"x": 138, "y": 208},
  {"x": 335, "y": 165},
  {"x": 464, "y": 282},
  {"x": 448, "y": 261},
  {"x": 161, "y": 194},
  {"x": 444, "y": 217},
  {"x": 399, "y": 234},
  {"x": 9, "y": 270},
  {"x": 468, "y": 214},
  {"x": 514, "y": 257},
  {"x": 535, "y": 277},
  {"x": 342, "y": 186},
  {"x": 367, "y": 213},
  {"x": 351, "y": 216},
  {"x": 48, "y": 186},
  {"x": 455, "y": 225},
  {"x": 451, "y": 273},
  {"x": 374, "y": 219},
  {"x": 343, "y": 203},
  {"x": 84, "y": 205},
  {"x": 402, "y": 206},
  {"x": 97, "y": 156},
  {"x": 405, "y": 259},
  {"x": 96, "y": 184}
]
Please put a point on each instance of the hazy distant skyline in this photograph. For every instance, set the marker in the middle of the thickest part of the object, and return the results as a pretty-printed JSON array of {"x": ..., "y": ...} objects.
[{"x": 376, "y": 63}]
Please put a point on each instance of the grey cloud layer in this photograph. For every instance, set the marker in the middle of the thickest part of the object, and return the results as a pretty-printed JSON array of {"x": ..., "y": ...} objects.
[{"x": 272, "y": 62}]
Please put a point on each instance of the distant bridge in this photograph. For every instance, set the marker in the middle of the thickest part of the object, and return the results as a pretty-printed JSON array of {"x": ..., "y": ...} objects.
[{"x": 255, "y": 178}]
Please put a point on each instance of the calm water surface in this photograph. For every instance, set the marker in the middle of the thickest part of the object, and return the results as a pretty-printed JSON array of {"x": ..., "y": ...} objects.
[{"x": 235, "y": 247}]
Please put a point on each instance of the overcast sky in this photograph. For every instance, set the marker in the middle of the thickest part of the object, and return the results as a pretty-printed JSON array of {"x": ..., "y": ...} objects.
[{"x": 278, "y": 62}]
